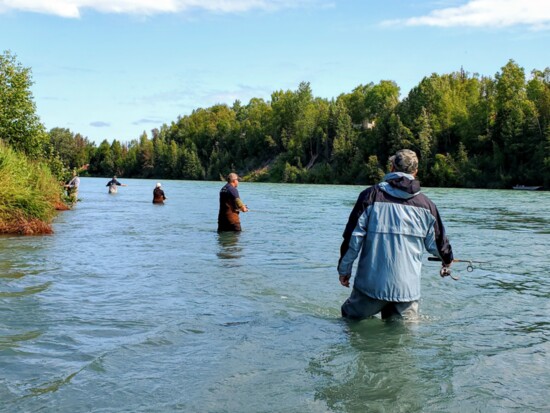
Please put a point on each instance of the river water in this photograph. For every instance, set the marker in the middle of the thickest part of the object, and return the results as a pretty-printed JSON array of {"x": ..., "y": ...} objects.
[{"x": 135, "y": 307}]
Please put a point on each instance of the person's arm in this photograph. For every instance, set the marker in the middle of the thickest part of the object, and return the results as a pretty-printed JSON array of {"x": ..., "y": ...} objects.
[
  {"x": 355, "y": 244},
  {"x": 354, "y": 235},
  {"x": 437, "y": 242},
  {"x": 240, "y": 205},
  {"x": 364, "y": 199}
]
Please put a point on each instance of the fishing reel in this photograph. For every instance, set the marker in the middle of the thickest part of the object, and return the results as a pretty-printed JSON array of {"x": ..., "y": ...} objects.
[{"x": 446, "y": 272}]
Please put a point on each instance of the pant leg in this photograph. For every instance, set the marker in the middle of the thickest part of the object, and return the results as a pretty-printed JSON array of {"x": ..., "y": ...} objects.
[
  {"x": 359, "y": 306},
  {"x": 408, "y": 310},
  {"x": 405, "y": 310},
  {"x": 228, "y": 220}
]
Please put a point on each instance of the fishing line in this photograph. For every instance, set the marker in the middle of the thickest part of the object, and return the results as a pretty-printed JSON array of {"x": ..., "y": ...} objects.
[
  {"x": 261, "y": 211},
  {"x": 470, "y": 267}
]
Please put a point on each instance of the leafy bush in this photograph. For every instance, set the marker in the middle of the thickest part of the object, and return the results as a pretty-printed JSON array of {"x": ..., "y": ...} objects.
[{"x": 29, "y": 194}]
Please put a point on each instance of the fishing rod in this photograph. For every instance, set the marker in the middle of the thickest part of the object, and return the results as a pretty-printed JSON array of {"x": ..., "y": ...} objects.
[
  {"x": 262, "y": 211},
  {"x": 446, "y": 271}
]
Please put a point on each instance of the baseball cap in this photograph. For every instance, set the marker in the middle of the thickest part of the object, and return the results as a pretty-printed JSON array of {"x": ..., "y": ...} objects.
[{"x": 405, "y": 161}]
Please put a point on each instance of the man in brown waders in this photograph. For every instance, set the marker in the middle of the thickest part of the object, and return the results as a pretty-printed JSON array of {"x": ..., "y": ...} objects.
[
  {"x": 230, "y": 205},
  {"x": 158, "y": 194}
]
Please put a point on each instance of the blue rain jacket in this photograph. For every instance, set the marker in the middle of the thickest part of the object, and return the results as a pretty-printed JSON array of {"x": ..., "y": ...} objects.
[{"x": 390, "y": 227}]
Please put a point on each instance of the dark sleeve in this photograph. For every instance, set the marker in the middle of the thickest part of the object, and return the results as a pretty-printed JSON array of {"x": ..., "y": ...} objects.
[
  {"x": 363, "y": 201},
  {"x": 443, "y": 245},
  {"x": 233, "y": 191}
]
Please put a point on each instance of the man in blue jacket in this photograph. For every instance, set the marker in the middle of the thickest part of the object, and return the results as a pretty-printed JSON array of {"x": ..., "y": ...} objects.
[{"x": 390, "y": 226}]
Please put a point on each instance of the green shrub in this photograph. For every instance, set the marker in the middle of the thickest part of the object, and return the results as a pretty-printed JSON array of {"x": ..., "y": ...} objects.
[{"x": 28, "y": 191}]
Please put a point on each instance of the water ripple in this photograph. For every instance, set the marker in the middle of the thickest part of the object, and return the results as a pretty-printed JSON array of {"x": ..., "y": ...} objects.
[
  {"x": 26, "y": 291},
  {"x": 146, "y": 309}
]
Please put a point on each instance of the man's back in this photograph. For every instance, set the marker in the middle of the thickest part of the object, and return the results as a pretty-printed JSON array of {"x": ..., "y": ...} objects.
[{"x": 390, "y": 227}]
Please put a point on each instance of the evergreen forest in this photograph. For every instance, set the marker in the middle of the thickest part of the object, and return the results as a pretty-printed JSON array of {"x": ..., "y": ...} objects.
[{"x": 468, "y": 130}]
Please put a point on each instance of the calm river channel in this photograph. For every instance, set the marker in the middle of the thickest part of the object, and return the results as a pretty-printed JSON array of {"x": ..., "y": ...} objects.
[{"x": 135, "y": 307}]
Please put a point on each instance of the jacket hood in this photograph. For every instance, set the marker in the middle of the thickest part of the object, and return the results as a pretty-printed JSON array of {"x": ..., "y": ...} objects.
[{"x": 400, "y": 185}]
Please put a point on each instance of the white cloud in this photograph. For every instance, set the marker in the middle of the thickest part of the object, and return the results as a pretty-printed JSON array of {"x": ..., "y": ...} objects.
[
  {"x": 100, "y": 124},
  {"x": 152, "y": 120},
  {"x": 74, "y": 8},
  {"x": 486, "y": 13}
]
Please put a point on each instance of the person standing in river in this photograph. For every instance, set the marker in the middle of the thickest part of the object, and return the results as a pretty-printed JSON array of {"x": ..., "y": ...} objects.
[
  {"x": 230, "y": 205},
  {"x": 113, "y": 184},
  {"x": 390, "y": 226},
  {"x": 72, "y": 187},
  {"x": 158, "y": 194}
]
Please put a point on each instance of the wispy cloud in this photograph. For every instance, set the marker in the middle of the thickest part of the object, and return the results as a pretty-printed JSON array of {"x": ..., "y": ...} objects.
[
  {"x": 147, "y": 121},
  {"x": 242, "y": 92},
  {"x": 486, "y": 13},
  {"x": 74, "y": 8},
  {"x": 204, "y": 95},
  {"x": 100, "y": 124},
  {"x": 182, "y": 101}
]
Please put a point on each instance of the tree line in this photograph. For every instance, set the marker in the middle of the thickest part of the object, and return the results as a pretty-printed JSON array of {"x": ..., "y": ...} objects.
[
  {"x": 30, "y": 193},
  {"x": 468, "y": 131}
]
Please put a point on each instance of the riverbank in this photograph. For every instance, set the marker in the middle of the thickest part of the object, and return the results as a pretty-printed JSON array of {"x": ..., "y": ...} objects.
[{"x": 29, "y": 195}]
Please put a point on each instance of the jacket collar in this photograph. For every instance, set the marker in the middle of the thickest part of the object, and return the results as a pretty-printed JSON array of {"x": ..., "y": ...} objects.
[{"x": 400, "y": 185}]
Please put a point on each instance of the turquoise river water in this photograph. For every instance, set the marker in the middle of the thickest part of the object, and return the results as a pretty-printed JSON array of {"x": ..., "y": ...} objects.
[{"x": 134, "y": 307}]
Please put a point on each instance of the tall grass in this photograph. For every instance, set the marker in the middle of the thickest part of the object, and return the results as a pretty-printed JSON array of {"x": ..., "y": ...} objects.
[{"x": 29, "y": 194}]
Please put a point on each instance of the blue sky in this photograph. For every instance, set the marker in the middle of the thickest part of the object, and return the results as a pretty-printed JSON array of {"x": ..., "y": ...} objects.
[{"x": 111, "y": 69}]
